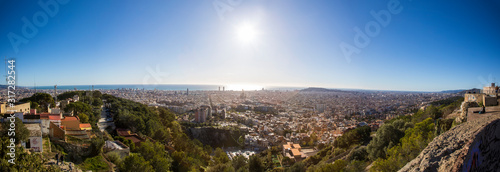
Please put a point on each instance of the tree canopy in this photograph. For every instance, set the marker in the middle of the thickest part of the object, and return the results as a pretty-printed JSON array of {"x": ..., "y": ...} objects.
[
  {"x": 135, "y": 163},
  {"x": 360, "y": 135},
  {"x": 78, "y": 107},
  {"x": 40, "y": 101},
  {"x": 387, "y": 136},
  {"x": 21, "y": 132}
]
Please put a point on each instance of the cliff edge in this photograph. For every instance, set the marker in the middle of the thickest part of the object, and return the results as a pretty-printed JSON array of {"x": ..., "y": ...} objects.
[{"x": 471, "y": 146}]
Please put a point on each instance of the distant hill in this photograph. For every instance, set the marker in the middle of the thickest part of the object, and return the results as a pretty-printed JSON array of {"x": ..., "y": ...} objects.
[
  {"x": 316, "y": 89},
  {"x": 462, "y": 91},
  {"x": 474, "y": 90},
  {"x": 452, "y": 91}
]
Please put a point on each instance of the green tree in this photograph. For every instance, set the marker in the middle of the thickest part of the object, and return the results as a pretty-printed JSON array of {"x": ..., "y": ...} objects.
[
  {"x": 42, "y": 99},
  {"x": 135, "y": 163},
  {"x": 166, "y": 114},
  {"x": 23, "y": 160},
  {"x": 359, "y": 154},
  {"x": 156, "y": 154},
  {"x": 414, "y": 141},
  {"x": 21, "y": 133},
  {"x": 434, "y": 112},
  {"x": 297, "y": 167},
  {"x": 163, "y": 135},
  {"x": 239, "y": 162},
  {"x": 180, "y": 161},
  {"x": 69, "y": 94},
  {"x": 96, "y": 146},
  {"x": 78, "y": 107},
  {"x": 387, "y": 136},
  {"x": 356, "y": 166},
  {"x": 84, "y": 118},
  {"x": 338, "y": 165},
  {"x": 221, "y": 168},
  {"x": 220, "y": 156},
  {"x": 360, "y": 135},
  {"x": 97, "y": 102},
  {"x": 255, "y": 164}
]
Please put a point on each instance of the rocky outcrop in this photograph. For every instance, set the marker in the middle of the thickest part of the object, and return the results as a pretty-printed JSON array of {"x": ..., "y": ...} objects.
[
  {"x": 463, "y": 112},
  {"x": 474, "y": 145},
  {"x": 484, "y": 150}
]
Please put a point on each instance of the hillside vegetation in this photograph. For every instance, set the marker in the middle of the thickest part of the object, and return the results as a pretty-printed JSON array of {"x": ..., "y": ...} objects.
[{"x": 394, "y": 144}]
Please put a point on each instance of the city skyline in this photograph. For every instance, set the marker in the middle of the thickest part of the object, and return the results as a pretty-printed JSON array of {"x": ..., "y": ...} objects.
[{"x": 421, "y": 46}]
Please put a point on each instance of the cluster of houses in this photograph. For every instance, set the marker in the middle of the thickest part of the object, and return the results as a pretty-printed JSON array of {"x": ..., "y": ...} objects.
[{"x": 53, "y": 124}]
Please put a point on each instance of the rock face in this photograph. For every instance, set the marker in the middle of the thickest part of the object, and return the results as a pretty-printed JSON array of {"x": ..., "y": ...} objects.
[
  {"x": 484, "y": 150},
  {"x": 463, "y": 112},
  {"x": 471, "y": 146}
]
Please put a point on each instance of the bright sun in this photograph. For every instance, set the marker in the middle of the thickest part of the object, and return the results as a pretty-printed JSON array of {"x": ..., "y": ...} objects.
[{"x": 246, "y": 33}]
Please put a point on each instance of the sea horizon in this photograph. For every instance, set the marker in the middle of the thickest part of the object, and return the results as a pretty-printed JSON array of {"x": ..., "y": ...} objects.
[
  {"x": 208, "y": 87},
  {"x": 171, "y": 87}
]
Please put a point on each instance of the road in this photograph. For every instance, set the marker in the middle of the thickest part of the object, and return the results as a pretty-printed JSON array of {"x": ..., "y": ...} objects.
[{"x": 106, "y": 120}]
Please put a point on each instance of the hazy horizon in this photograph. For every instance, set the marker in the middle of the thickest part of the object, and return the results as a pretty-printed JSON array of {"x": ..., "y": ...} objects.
[{"x": 210, "y": 87}]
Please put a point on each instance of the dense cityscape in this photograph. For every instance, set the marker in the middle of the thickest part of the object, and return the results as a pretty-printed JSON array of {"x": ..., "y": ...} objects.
[{"x": 307, "y": 119}]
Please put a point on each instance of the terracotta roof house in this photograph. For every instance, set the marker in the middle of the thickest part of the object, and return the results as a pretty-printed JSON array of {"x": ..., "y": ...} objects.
[
  {"x": 71, "y": 123},
  {"x": 85, "y": 126},
  {"x": 129, "y": 135}
]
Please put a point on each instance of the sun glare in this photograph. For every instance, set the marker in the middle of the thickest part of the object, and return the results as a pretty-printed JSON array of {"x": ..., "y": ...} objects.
[
  {"x": 244, "y": 87},
  {"x": 246, "y": 32}
]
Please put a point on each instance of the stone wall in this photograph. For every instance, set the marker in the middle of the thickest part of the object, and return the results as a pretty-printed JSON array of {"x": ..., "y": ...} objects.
[{"x": 490, "y": 101}]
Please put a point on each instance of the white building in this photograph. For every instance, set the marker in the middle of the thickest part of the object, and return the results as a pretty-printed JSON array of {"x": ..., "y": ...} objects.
[{"x": 34, "y": 142}]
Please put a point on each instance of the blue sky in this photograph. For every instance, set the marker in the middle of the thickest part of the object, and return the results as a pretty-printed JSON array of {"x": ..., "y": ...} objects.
[{"x": 427, "y": 46}]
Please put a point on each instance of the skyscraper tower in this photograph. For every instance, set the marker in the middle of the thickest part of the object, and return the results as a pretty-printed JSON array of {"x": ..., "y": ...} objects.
[
  {"x": 187, "y": 91},
  {"x": 55, "y": 92}
]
